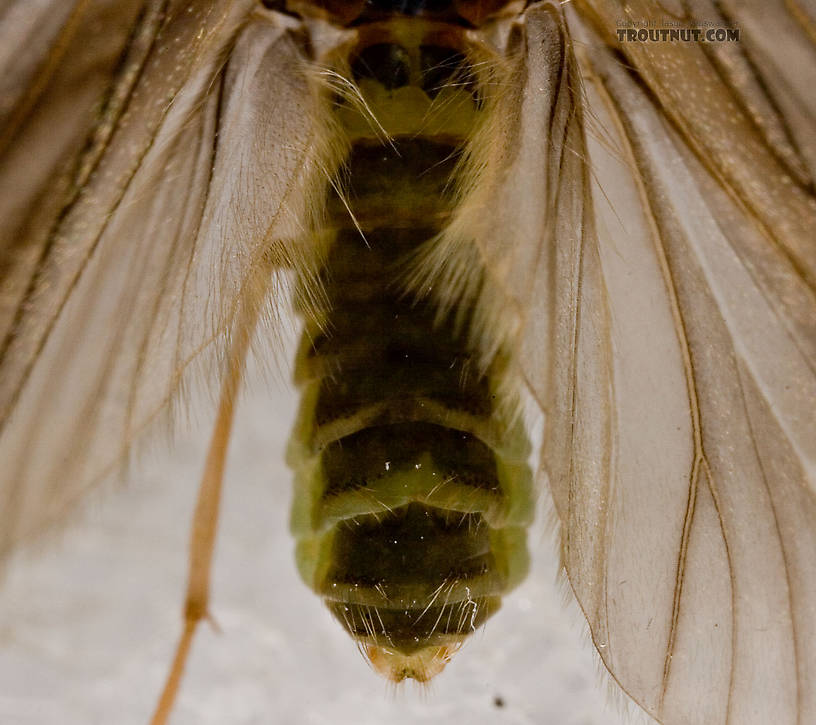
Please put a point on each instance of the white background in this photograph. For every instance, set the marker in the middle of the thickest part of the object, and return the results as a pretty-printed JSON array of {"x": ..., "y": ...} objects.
[{"x": 88, "y": 621}]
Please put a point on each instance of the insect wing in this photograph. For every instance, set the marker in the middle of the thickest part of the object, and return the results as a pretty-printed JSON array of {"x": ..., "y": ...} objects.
[
  {"x": 138, "y": 279},
  {"x": 681, "y": 436},
  {"x": 507, "y": 163},
  {"x": 664, "y": 312}
]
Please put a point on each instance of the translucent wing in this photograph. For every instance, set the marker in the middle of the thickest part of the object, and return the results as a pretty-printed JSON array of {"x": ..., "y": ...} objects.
[
  {"x": 650, "y": 252},
  {"x": 157, "y": 157},
  {"x": 682, "y": 434}
]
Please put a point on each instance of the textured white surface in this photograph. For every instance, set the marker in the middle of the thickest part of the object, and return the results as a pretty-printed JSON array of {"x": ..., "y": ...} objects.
[{"x": 88, "y": 623}]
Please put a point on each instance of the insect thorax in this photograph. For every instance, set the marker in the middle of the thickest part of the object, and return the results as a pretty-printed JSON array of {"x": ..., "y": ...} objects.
[{"x": 412, "y": 490}]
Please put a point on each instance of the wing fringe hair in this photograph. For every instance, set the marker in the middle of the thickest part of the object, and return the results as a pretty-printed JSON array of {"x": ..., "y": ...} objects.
[
  {"x": 635, "y": 221},
  {"x": 690, "y": 544},
  {"x": 645, "y": 214},
  {"x": 162, "y": 163}
]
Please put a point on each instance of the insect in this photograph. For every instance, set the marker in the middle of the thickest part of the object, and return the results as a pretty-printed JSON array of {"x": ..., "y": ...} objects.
[{"x": 628, "y": 232}]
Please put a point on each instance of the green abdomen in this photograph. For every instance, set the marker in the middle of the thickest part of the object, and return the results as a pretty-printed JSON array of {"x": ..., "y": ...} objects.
[{"x": 412, "y": 488}]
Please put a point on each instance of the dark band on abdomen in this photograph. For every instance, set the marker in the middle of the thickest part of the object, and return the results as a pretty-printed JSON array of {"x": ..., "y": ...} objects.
[{"x": 412, "y": 491}]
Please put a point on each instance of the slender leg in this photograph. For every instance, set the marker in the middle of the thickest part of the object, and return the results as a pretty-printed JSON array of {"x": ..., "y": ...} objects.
[{"x": 205, "y": 523}]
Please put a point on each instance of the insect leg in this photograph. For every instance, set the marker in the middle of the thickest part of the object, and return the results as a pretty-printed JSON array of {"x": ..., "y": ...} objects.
[{"x": 205, "y": 518}]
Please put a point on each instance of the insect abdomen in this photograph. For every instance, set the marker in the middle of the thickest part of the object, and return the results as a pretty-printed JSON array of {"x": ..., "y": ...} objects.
[{"x": 412, "y": 488}]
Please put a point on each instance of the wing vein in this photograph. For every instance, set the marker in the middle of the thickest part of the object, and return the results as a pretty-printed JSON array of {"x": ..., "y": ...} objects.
[
  {"x": 37, "y": 278},
  {"x": 44, "y": 73},
  {"x": 796, "y": 654},
  {"x": 202, "y": 140},
  {"x": 741, "y": 101},
  {"x": 700, "y": 459},
  {"x": 802, "y": 18},
  {"x": 130, "y": 70}
]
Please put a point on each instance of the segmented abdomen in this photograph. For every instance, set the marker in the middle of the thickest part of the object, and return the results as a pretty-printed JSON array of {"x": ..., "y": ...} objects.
[{"x": 412, "y": 488}]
